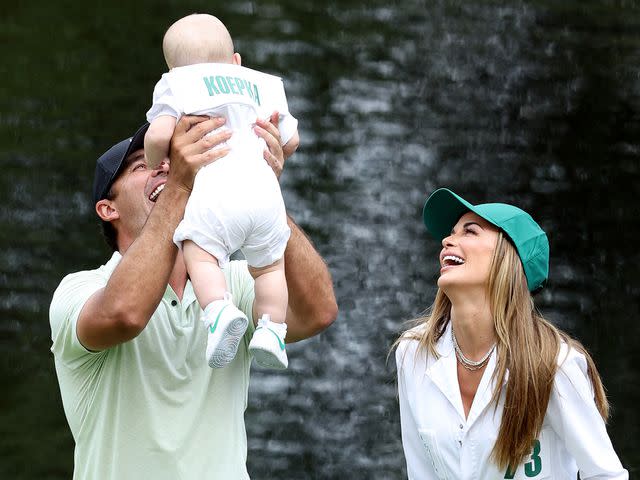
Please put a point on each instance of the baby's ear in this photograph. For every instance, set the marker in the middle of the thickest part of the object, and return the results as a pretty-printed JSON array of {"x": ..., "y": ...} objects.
[{"x": 237, "y": 59}]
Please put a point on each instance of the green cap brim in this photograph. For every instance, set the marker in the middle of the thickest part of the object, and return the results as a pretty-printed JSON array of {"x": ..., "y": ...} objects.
[{"x": 442, "y": 210}]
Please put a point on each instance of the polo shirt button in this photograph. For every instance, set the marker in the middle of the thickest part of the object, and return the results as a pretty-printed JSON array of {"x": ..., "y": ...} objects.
[{"x": 174, "y": 303}]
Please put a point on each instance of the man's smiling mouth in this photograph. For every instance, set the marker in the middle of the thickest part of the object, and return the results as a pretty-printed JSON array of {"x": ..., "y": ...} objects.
[{"x": 156, "y": 192}]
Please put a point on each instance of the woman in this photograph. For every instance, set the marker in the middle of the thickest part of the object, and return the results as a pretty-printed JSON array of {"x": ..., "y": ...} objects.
[{"x": 488, "y": 388}]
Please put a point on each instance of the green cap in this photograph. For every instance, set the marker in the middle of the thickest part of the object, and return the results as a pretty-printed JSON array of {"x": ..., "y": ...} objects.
[{"x": 444, "y": 208}]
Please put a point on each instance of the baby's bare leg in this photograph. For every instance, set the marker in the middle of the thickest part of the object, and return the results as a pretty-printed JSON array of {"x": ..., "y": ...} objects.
[
  {"x": 206, "y": 276},
  {"x": 267, "y": 344},
  {"x": 271, "y": 290},
  {"x": 225, "y": 323}
]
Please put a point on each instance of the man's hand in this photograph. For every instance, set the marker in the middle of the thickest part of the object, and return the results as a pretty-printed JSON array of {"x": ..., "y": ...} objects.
[
  {"x": 192, "y": 148},
  {"x": 121, "y": 310},
  {"x": 268, "y": 131}
]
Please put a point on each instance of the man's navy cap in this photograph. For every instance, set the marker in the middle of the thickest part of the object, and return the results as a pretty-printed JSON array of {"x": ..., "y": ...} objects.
[{"x": 110, "y": 162}]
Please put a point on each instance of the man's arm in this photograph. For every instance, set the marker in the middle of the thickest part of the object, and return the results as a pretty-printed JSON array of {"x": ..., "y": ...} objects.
[
  {"x": 312, "y": 302},
  {"x": 121, "y": 310}
]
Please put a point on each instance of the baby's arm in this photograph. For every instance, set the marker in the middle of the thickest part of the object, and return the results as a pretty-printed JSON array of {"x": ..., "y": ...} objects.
[
  {"x": 157, "y": 140},
  {"x": 291, "y": 146}
]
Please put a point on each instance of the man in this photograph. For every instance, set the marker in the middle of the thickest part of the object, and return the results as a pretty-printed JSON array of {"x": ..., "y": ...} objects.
[{"x": 128, "y": 343}]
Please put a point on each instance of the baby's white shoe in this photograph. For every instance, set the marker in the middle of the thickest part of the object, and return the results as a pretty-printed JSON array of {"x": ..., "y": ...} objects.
[
  {"x": 267, "y": 344},
  {"x": 226, "y": 325}
]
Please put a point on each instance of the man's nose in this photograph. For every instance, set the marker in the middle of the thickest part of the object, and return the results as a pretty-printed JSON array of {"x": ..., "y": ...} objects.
[{"x": 162, "y": 168}]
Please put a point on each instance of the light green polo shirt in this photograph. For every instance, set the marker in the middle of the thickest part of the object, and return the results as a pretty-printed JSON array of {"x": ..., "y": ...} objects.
[{"x": 151, "y": 407}]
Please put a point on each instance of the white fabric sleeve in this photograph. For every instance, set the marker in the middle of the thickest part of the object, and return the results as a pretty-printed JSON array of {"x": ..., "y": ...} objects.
[
  {"x": 288, "y": 125},
  {"x": 164, "y": 102},
  {"x": 574, "y": 416},
  {"x": 66, "y": 305},
  {"x": 411, "y": 443}
]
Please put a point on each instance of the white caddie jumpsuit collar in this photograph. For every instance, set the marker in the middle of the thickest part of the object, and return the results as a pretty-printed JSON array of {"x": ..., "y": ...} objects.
[{"x": 444, "y": 375}]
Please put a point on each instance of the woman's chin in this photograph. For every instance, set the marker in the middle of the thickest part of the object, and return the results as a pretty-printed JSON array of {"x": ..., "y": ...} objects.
[
  {"x": 445, "y": 285},
  {"x": 450, "y": 283},
  {"x": 447, "y": 278}
]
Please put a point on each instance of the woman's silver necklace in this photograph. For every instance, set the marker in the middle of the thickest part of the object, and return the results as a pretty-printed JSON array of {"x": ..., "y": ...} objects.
[{"x": 464, "y": 361}]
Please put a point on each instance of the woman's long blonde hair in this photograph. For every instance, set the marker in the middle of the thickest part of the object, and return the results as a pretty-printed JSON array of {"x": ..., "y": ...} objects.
[{"x": 527, "y": 347}]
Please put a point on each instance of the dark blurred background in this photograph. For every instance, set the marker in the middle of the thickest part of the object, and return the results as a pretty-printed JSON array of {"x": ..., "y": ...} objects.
[{"x": 533, "y": 102}]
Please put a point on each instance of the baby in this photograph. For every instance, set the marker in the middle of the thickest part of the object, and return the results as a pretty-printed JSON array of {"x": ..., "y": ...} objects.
[{"x": 236, "y": 201}]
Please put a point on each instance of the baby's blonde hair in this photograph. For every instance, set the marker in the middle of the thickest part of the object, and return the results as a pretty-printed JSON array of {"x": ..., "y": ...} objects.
[{"x": 197, "y": 38}]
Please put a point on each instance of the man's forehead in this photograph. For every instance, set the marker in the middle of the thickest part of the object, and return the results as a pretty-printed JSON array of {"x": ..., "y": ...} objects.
[
  {"x": 131, "y": 159},
  {"x": 133, "y": 156}
]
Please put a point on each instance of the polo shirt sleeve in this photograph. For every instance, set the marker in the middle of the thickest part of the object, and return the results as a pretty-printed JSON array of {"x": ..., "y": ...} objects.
[
  {"x": 66, "y": 305},
  {"x": 575, "y": 418}
]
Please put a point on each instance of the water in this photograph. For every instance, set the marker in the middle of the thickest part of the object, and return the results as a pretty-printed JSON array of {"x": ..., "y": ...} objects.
[{"x": 534, "y": 103}]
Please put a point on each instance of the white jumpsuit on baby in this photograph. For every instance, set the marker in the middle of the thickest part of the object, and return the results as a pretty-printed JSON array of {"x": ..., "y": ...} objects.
[{"x": 236, "y": 201}]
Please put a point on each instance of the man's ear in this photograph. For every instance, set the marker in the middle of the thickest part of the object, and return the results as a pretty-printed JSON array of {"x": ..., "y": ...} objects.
[
  {"x": 106, "y": 210},
  {"x": 237, "y": 59}
]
